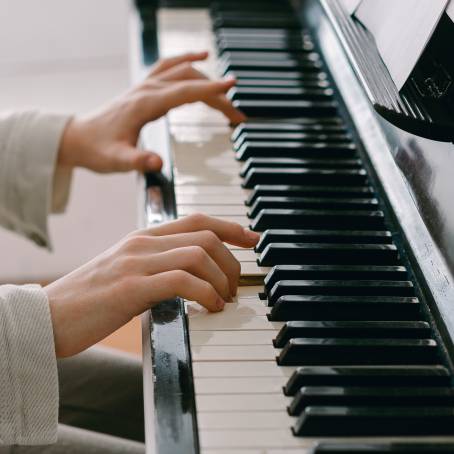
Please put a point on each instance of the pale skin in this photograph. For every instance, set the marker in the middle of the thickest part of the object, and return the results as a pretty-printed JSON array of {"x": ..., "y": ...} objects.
[{"x": 185, "y": 258}]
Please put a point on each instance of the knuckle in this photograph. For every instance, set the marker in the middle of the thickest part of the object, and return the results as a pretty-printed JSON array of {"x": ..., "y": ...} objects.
[
  {"x": 197, "y": 253},
  {"x": 209, "y": 238},
  {"x": 178, "y": 277},
  {"x": 197, "y": 220},
  {"x": 135, "y": 243}
]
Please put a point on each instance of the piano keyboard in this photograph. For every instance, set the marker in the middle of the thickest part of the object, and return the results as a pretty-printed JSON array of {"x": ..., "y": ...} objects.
[{"x": 329, "y": 335}]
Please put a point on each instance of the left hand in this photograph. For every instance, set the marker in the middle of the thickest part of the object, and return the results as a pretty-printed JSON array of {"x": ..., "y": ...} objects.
[{"x": 106, "y": 141}]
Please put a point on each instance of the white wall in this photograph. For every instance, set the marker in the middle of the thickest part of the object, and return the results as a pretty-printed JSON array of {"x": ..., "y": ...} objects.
[{"x": 67, "y": 56}]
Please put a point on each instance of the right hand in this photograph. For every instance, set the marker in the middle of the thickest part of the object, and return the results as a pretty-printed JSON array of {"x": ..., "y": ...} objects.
[{"x": 185, "y": 258}]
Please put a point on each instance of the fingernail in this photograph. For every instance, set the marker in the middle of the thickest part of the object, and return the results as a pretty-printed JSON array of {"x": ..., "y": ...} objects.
[
  {"x": 220, "y": 303},
  {"x": 250, "y": 235}
]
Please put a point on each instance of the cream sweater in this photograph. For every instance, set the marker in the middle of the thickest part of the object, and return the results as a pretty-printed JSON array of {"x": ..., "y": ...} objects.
[{"x": 30, "y": 188}]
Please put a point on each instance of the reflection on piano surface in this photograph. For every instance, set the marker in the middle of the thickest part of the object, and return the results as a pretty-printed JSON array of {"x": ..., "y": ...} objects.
[{"x": 336, "y": 341}]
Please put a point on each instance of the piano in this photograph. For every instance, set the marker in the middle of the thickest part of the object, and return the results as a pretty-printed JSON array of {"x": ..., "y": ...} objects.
[{"x": 341, "y": 337}]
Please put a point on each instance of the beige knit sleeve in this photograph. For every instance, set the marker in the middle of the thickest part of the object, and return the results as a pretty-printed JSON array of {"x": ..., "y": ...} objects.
[
  {"x": 31, "y": 186},
  {"x": 28, "y": 368}
]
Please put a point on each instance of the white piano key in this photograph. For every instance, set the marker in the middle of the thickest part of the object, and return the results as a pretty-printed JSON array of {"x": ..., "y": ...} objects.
[
  {"x": 245, "y": 255},
  {"x": 234, "y": 451},
  {"x": 243, "y": 420},
  {"x": 247, "y": 307},
  {"x": 210, "y": 337},
  {"x": 213, "y": 210},
  {"x": 233, "y": 352},
  {"x": 242, "y": 220},
  {"x": 251, "y": 291},
  {"x": 210, "y": 199},
  {"x": 242, "y": 402},
  {"x": 214, "y": 191},
  {"x": 252, "y": 269},
  {"x": 254, "y": 438},
  {"x": 185, "y": 177},
  {"x": 241, "y": 385},
  {"x": 230, "y": 369},
  {"x": 235, "y": 323}
]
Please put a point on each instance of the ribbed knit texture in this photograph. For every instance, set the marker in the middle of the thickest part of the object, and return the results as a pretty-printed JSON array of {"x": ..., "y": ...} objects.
[
  {"x": 28, "y": 367},
  {"x": 30, "y": 186}
]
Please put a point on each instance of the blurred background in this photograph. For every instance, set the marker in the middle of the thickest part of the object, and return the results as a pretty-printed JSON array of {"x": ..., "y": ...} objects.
[{"x": 68, "y": 56}]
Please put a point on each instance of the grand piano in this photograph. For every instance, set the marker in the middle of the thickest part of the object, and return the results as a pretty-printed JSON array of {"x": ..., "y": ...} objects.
[{"x": 341, "y": 337}]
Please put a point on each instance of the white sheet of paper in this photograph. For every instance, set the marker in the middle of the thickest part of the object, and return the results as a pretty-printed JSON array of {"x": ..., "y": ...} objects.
[
  {"x": 450, "y": 10},
  {"x": 350, "y": 5},
  {"x": 401, "y": 29}
]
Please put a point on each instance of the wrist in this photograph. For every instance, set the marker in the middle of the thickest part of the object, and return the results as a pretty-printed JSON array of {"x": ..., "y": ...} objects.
[{"x": 72, "y": 146}]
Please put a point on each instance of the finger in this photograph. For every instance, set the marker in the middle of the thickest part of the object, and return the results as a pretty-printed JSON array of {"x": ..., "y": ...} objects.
[
  {"x": 166, "y": 63},
  {"x": 224, "y": 105},
  {"x": 204, "y": 241},
  {"x": 227, "y": 231},
  {"x": 185, "y": 72},
  {"x": 130, "y": 158},
  {"x": 181, "y": 283},
  {"x": 193, "y": 259},
  {"x": 194, "y": 90}
]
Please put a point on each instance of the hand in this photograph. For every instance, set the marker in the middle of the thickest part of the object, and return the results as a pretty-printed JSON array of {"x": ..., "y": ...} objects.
[
  {"x": 183, "y": 258},
  {"x": 105, "y": 141}
]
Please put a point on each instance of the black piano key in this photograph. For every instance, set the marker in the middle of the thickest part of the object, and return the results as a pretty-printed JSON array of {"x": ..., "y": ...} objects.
[
  {"x": 296, "y": 149},
  {"x": 370, "y": 421},
  {"x": 260, "y": 21},
  {"x": 310, "y": 191},
  {"x": 278, "y": 136},
  {"x": 290, "y": 45},
  {"x": 322, "y": 307},
  {"x": 287, "y": 108},
  {"x": 311, "y": 351},
  {"x": 384, "y": 448},
  {"x": 323, "y": 236},
  {"x": 340, "y": 288},
  {"x": 318, "y": 203},
  {"x": 301, "y": 65},
  {"x": 417, "y": 376},
  {"x": 368, "y": 272},
  {"x": 254, "y": 163},
  {"x": 276, "y": 83},
  {"x": 341, "y": 177},
  {"x": 258, "y": 55},
  {"x": 292, "y": 94},
  {"x": 330, "y": 254},
  {"x": 310, "y": 136},
  {"x": 276, "y": 75},
  {"x": 352, "y": 329},
  {"x": 323, "y": 219},
  {"x": 369, "y": 396},
  {"x": 329, "y": 125},
  {"x": 265, "y": 33}
]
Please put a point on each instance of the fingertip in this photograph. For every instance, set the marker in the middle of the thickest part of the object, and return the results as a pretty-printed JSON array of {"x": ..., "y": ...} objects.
[
  {"x": 252, "y": 237},
  {"x": 154, "y": 162},
  {"x": 237, "y": 117},
  {"x": 200, "y": 55},
  {"x": 219, "y": 304}
]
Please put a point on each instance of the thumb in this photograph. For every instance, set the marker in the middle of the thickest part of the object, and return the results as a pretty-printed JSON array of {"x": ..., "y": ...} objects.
[{"x": 140, "y": 160}]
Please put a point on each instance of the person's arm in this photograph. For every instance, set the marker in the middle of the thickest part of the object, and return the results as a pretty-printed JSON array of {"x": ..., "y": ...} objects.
[
  {"x": 28, "y": 368},
  {"x": 30, "y": 184}
]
